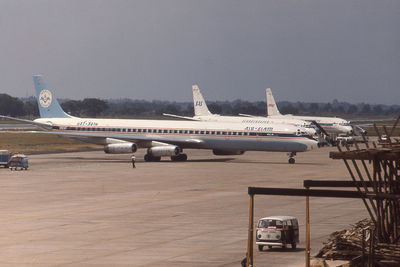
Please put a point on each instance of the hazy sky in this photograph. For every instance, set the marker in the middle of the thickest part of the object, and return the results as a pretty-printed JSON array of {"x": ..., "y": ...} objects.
[{"x": 305, "y": 50}]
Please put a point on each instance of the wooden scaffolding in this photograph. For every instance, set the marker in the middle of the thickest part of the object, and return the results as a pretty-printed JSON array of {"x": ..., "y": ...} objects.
[{"x": 378, "y": 165}]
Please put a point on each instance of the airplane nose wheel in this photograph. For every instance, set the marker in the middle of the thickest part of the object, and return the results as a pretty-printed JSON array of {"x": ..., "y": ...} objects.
[{"x": 291, "y": 157}]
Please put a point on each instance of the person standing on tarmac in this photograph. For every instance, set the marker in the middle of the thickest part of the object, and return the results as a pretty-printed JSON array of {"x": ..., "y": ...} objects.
[{"x": 133, "y": 161}]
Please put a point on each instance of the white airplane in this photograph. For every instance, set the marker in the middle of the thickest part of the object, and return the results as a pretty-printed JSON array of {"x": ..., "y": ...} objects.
[
  {"x": 202, "y": 113},
  {"x": 331, "y": 125},
  {"x": 165, "y": 137}
]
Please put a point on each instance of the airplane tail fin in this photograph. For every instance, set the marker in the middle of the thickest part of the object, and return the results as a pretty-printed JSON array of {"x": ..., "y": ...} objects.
[
  {"x": 272, "y": 109},
  {"x": 47, "y": 103},
  {"x": 200, "y": 106}
]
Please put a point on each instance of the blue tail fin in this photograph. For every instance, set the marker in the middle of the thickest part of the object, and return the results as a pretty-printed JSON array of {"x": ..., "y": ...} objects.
[{"x": 47, "y": 103}]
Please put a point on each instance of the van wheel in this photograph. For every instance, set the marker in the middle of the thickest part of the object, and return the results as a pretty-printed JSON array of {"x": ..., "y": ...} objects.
[
  {"x": 293, "y": 245},
  {"x": 260, "y": 247}
]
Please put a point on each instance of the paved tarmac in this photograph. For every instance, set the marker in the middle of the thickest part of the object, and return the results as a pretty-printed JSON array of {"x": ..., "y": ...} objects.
[
  {"x": 93, "y": 209},
  {"x": 16, "y": 126}
]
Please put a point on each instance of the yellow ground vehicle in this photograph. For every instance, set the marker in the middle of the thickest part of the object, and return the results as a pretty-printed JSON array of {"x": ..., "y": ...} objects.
[
  {"x": 18, "y": 161},
  {"x": 277, "y": 231}
]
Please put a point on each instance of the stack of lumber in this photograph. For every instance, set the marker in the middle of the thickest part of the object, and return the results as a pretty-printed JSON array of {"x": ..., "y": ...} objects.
[{"x": 348, "y": 245}]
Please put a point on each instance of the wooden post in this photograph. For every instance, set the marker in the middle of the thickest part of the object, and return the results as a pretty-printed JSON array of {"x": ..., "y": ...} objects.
[
  {"x": 307, "y": 230},
  {"x": 363, "y": 248},
  {"x": 249, "y": 257}
]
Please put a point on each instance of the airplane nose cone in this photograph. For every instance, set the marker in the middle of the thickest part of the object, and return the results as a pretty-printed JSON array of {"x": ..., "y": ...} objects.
[{"x": 312, "y": 144}]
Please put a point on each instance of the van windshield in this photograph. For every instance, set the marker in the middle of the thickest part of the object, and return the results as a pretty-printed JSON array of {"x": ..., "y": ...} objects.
[{"x": 269, "y": 223}]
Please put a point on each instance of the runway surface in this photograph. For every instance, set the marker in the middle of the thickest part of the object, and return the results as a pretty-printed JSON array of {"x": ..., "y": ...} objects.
[{"x": 93, "y": 209}]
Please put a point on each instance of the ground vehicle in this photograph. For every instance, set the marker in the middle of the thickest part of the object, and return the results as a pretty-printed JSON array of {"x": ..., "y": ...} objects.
[
  {"x": 342, "y": 139},
  {"x": 277, "y": 231},
  {"x": 4, "y": 157},
  {"x": 18, "y": 161}
]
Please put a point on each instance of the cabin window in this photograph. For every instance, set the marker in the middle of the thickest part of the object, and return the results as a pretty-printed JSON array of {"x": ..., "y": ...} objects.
[
  {"x": 196, "y": 132},
  {"x": 165, "y": 131},
  {"x": 201, "y": 132},
  {"x": 207, "y": 132},
  {"x": 252, "y": 134},
  {"x": 191, "y": 132},
  {"x": 171, "y": 131},
  {"x": 175, "y": 131},
  {"x": 218, "y": 132},
  {"x": 233, "y": 133},
  {"x": 185, "y": 131},
  {"x": 139, "y": 130},
  {"x": 223, "y": 133},
  {"x": 239, "y": 133},
  {"x": 180, "y": 131},
  {"x": 212, "y": 132}
]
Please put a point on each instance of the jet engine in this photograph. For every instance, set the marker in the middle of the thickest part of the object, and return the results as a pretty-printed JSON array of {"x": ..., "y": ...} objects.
[
  {"x": 120, "y": 148},
  {"x": 220, "y": 152},
  {"x": 162, "y": 151}
]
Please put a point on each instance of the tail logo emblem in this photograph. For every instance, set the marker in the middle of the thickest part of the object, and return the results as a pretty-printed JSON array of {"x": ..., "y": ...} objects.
[{"x": 45, "y": 98}]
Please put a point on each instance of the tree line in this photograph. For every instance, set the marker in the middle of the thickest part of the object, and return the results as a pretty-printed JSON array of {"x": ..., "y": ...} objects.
[{"x": 93, "y": 107}]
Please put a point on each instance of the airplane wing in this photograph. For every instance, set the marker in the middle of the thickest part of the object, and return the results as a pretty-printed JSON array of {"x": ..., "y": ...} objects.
[
  {"x": 181, "y": 117},
  {"x": 39, "y": 124},
  {"x": 184, "y": 143}
]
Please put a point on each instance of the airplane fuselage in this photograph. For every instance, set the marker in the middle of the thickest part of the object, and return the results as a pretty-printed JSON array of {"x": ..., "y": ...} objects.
[
  {"x": 330, "y": 124},
  {"x": 187, "y": 134}
]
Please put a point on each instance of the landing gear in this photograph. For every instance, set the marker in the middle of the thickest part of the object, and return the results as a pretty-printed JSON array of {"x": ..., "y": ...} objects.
[
  {"x": 149, "y": 158},
  {"x": 260, "y": 247},
  {"x": 180, "y": 157},
  {"x": 291, "y": 157}
]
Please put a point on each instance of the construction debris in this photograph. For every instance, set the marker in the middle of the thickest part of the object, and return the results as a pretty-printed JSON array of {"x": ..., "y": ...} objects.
[{"x": 359, "y": 246}]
